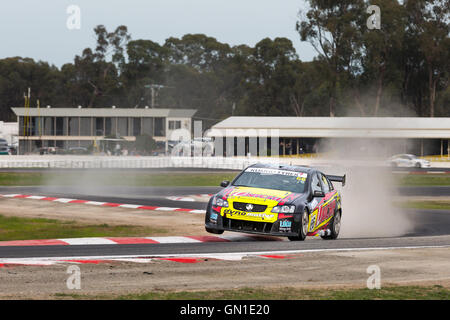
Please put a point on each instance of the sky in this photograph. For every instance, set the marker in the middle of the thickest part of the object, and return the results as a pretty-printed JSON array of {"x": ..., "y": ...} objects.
[{"x": 38, "y": 29}]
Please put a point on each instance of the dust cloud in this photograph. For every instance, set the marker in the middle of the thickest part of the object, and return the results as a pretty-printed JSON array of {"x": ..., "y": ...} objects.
[{"x": 370, "y": 189}]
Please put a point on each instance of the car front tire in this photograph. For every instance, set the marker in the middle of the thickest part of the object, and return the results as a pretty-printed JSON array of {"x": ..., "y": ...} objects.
[
  {"x": 304, "y": 221},
  {"x": 214, "y": 231}
]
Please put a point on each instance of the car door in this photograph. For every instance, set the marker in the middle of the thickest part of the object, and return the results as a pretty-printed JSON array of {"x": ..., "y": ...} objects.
[
  {"x": 315, "y": 203},
  {"x": 328, "y": 204}
]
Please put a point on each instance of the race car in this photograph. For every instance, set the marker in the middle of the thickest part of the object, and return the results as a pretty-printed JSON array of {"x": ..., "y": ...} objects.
[
  {"x": 278, "y": 200},
  {"x": 408, "y": 160}
]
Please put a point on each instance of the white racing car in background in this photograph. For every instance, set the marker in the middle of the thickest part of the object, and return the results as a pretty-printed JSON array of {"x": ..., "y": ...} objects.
[{"x": 408, "y": 160}]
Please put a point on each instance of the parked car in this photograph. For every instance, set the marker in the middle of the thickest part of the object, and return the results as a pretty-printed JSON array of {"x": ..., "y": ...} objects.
[
  {"x": 4, "y": 148},
  {"x": 78, "y": 150}
]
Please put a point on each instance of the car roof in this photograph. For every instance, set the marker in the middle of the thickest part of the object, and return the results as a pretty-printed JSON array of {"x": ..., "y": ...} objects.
[
  {"x": 404, "y": 154},
  {"x": 284, "y": 167}
]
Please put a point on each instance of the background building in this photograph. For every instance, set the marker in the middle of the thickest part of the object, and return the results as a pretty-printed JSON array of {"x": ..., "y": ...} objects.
[
  {"x": 8, "y": 131},
  {"x": 80, "y": 127},
  {"x": 420, "y": 136}
]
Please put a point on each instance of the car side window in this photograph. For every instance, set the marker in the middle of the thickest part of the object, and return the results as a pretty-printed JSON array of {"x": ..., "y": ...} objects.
[
  {"x": 315, "y": 183},
  {"x": 325, "y": 186}
]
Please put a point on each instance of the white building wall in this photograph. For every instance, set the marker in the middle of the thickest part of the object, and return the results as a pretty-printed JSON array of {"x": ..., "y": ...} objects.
[{"x": 9, "y": 131}]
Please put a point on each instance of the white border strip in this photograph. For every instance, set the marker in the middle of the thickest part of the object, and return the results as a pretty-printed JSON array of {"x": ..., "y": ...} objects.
[{"x": 222, "y": 256}]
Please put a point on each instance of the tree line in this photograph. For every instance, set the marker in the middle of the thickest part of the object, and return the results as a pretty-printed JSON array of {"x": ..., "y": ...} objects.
[{"x": 401, "y": 69}]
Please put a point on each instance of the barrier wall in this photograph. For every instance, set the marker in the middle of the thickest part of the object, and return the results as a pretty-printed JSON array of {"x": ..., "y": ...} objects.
[
  {"x": 235, "y": 163},
  {"x": 92, "y": 162}
]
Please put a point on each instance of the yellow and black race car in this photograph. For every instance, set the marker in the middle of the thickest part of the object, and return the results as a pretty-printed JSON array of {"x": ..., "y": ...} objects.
[{"x": 290, "y": 201}]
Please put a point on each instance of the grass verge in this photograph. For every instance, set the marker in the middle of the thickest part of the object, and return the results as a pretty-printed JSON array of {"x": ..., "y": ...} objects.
[
  {"x": 431, "y": 204},
  {"x": 435, "y": 292},
  {"x": 13, "y": 228},
  {"x": 423, "y": 180},
  {"x": 143, "y": 179}
]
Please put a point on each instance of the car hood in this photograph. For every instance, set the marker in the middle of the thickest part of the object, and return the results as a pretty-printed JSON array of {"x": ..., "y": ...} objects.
[{"x": 269, "y": 197}]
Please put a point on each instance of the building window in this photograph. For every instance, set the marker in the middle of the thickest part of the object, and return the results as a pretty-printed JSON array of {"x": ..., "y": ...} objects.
[
  {"x": 74, "y": 126},
  {"x": 160, "y": 130},
  {"x": 60, "y": 126},
  {"x": 147, "y": 126},
  {"x": 108, "y": 127},
  {"x": 85, "y": 126},
  {"x": 49, "y": 126},
  {"x": 122, "y": 127},
  {"x": 136, "y": 127},
  {"x": 99, "y": 128},
  {"x": 174, "y": 125}
]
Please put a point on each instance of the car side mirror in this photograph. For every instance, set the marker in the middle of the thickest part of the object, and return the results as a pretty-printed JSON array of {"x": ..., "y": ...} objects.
[
  {"x": 318, "y": 193},
  {"x": 225, "y": 183}
]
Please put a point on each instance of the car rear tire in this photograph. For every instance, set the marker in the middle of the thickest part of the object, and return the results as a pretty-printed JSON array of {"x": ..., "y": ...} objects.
[
  {"x": 215, "y": 231},
  {"x": 304, "y": 221},
  {"x": 335, "y": 227},
  {"x": 418, "y": 165}
]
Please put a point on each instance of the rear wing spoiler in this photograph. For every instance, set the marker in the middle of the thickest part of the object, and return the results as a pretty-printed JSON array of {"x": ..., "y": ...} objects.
[{"x": 337, "y": 179}]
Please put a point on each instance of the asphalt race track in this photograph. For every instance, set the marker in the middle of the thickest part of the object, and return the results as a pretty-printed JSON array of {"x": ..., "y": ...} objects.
[
  {"x": 433, "y": 227},
  {"x": 186, "y": 249}
]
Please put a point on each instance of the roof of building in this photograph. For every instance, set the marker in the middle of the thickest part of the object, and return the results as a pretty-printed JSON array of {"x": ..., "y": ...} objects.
[
  {"x": 334, "y": 127},
  {"x": 105, "y": 112}
]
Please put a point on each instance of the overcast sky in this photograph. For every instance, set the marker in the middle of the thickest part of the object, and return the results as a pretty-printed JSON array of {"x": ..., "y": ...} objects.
[{"x": 37, "y": 29}]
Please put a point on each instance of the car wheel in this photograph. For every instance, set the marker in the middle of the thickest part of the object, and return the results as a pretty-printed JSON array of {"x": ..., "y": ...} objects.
[
  {"x": 215, "y": 231},
  {"x": 304, "y": 221},
  {"x": 335, "y": 227},
  {"x": 418, "y": 165}
]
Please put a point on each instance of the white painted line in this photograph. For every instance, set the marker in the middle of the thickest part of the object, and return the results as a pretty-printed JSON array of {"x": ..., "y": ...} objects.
[
  {"x": 36, "y": 197},
  {"x": 180, "y": 199},
  {"x": 137, "y": 260},
  {"x": 173, "y": 239},
  {"x": 85, "y": 241},
  {"x": 31, "y": 261},
  {"x": 95, "y": 203},
  {"x": 165, "y": 209},
  {"x": 207, "y": 255},
  {"x": 130, "y": 206},
  {"x": 197, "y": 211},
  {"x": 63, "y": 200},
  {"x": 11, "y": 195}
]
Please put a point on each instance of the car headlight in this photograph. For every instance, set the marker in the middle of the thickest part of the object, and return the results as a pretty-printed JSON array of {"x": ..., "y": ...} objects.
[
  {"x": 219, "y": 202},
  {"x": 283, "y": 209}
]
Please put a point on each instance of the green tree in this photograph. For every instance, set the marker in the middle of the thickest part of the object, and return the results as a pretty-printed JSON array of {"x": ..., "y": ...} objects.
[
  {"x": 145, "y": 144},
  {"x": 332, "y": 28}
]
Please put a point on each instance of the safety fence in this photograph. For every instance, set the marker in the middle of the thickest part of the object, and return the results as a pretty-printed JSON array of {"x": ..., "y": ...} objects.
[{"x": 92, "y": 162}]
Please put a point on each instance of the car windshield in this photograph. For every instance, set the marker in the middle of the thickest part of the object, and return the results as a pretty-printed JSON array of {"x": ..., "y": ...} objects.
[{"x": 267, "y": 178}]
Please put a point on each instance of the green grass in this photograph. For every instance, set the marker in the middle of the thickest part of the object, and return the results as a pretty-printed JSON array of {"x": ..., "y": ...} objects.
[
  {"x": 424, "y": 180},
  {"x": 431, "y": 204},
  {"x": 13, "y": 228},
  {"x": 109, "y": 178},
  {"x": 435, "y": 292},
  {"x": 156, "y": 179}
]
